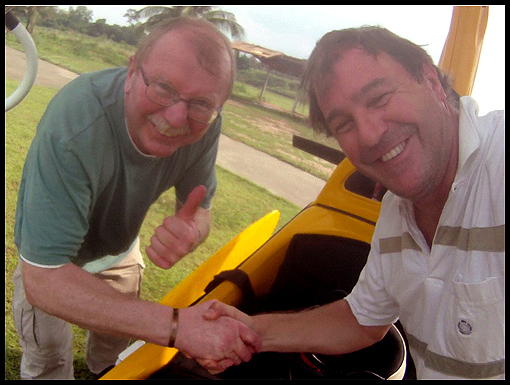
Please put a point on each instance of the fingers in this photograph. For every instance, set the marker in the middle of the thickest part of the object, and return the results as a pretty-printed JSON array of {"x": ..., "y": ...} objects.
[
  {"x": 190, "y": 207},
  {"x": 251, "y": 340},
  {"x": 215, "y": 367},
  {"x": 247, "y": 343},
  {"x": 218, "y": 366},
  {"x": 224, "y": 341},
  {"x": 170, "y": 242},
  {"x": 235, "y": 357},
  {"x": 178, "y": 235},
  {"x": 248, "y": 336},
  {"x": 164, "y": 263}
]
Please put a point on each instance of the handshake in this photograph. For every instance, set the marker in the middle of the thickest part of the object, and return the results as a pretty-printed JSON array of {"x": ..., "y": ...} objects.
[{"x": 217, "y": 335}]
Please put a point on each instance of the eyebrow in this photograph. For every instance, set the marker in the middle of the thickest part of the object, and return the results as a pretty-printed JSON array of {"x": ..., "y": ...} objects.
[
  {"x": 370, "y": 86},
  {"x": 358, "y": 95}
]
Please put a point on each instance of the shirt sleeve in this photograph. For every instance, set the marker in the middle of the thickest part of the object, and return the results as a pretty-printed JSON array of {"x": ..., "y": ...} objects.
[
  {"x": 53, "y": 203},
  {"x": 369, "y": 300}
]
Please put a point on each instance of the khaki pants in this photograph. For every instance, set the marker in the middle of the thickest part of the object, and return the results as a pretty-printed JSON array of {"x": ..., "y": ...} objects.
[{"x": 47, "y": 341}]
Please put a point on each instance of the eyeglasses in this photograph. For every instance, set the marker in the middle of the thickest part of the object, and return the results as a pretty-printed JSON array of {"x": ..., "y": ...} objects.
[{"x": 165, "y": 95}]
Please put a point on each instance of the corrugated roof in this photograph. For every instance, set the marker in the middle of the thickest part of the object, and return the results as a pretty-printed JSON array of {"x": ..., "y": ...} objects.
[
  {"x": 255, "y": 50},
  {"x": 275, "y": 60}
]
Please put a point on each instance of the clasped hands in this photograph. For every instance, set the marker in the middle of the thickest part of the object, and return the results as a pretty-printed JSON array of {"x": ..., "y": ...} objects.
[{"x": 216, "y": 335}]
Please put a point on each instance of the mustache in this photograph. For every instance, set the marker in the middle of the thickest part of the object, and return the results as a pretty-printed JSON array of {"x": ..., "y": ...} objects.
[
  {"x": 396, "y": 134},
  {"x": 166, "y": 128}
]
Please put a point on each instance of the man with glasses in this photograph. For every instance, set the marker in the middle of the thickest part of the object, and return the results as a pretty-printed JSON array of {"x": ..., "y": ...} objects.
[{"x": 109, "y": 144}]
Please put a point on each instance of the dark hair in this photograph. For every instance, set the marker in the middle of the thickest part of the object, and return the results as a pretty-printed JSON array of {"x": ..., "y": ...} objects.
[
  {"x": 207, "y": 39},
  {"x": 373, "y": 40}
]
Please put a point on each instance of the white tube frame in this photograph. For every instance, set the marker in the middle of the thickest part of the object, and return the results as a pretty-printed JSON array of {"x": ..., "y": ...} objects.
[{"x": 28, "y": 80}]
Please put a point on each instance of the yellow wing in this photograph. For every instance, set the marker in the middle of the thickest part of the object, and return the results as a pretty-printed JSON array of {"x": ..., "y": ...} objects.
[{"x": 463, "y": 46}]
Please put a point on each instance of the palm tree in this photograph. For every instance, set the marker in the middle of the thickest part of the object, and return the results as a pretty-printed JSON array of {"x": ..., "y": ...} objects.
[{"x": 223, "y": 20}]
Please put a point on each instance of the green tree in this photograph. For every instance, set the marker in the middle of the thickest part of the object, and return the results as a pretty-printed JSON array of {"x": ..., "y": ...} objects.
[
  {"x": 79, "y": 18},
  {"x": 223, "y": 20}
]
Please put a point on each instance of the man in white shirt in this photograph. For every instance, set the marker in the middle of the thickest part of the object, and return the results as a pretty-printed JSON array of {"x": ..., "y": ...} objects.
[{"x": 437, "y": 255}]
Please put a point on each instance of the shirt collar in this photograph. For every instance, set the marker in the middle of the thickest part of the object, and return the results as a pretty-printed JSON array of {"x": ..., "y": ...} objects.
[
  {"x": 469, "y": 137},
  {"x": 135, "y": 146}
]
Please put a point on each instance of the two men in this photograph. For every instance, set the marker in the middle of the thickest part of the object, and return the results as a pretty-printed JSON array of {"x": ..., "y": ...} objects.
[{"x": 437, "y": 256}]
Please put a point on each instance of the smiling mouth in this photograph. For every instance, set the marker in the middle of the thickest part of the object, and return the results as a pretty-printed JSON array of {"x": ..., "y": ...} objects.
[
  {"x": 394, "y": 152},
  {"x": 164, "y": 128}
]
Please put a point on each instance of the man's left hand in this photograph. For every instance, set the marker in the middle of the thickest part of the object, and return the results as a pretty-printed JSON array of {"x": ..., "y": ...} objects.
[{"x": 178, "y": 235}]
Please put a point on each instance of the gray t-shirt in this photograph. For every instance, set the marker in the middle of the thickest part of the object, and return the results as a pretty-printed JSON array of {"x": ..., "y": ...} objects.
[{"x": 85, "y": 188}]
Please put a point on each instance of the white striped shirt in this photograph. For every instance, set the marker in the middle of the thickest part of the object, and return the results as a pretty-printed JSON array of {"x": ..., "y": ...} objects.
[{"x": 449, "y": 298}]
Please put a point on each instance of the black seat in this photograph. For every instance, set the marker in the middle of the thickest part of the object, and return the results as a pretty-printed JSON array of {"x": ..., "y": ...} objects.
[{"x": 319, "y": 269}]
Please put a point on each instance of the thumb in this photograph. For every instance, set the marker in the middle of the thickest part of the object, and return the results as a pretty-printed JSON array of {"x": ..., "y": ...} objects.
[
  {"x": 218, "y": 309},
  {"x": 215, "y": 311},
  {"x": 190, "y": 207}
]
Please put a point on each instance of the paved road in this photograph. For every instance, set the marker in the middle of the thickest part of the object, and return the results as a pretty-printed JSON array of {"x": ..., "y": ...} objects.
[
  {"x": 48, "y": 75},
  {"x": 276, "y": 176},
  {"x": 279, "y": 177}
]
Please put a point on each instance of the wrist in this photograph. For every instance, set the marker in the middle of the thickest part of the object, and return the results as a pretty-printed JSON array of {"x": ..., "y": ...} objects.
[
  {"x": 199, "y": 240},
  {"x": 203, "y": 229},
  {"x": 173, "y": 328}
]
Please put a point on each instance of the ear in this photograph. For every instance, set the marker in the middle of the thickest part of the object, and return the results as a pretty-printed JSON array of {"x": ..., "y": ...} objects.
[
  {"x": 431, "y": 78},
  {"x": 131, "y": 70}
]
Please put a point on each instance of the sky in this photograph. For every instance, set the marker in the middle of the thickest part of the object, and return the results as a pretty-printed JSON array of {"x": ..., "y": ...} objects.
[{"x": 294, "y": 30}]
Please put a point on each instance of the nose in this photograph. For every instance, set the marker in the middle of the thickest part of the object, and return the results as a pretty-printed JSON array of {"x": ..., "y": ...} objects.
[
  {"x": 370, "y": 129},
  {"x": 177, "y": 114}
]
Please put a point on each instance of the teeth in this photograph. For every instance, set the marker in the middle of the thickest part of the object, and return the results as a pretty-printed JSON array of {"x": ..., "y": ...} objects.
[
  {"x": 164, "y": 128},
  {"x": 393, "y": 153}
]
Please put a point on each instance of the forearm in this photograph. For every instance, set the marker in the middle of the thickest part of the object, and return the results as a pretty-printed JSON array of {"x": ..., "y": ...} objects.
[
  {"x": 78, "y": 297},
  {"x": 329, "y": 329}
]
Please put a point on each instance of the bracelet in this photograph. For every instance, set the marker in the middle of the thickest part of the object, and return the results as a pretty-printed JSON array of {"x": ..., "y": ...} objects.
[{"x": 173, "y": 330}]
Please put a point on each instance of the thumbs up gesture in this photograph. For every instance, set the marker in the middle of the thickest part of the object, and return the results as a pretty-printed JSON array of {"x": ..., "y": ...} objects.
[{"x": 178, "y": 235}]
